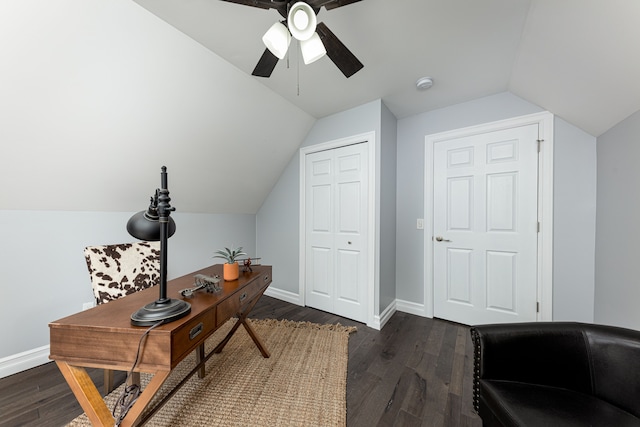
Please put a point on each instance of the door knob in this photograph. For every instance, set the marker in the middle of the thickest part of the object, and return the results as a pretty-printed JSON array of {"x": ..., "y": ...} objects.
[{"x": 440, "y": 239}]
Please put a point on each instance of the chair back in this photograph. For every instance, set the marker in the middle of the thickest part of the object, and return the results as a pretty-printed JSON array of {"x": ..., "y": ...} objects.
[{"x": 122, "y": 269}]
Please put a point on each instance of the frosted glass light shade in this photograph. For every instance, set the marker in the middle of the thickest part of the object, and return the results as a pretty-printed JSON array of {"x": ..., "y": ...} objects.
[
  {"x": 302, "y": 21},
  {"x": 312, "y": 49},
  {"x": 277, "y": 39}
]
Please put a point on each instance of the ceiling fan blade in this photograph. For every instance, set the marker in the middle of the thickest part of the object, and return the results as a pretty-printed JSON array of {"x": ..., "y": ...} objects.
[
  {"x": 332, "y": 4},
  {"x": 338, "y": 52},
  {"x": 266, "y": 64},
  {"x": 317, "y": 4},
  {"x": 279, "y": 5},
  {"x": 262, "y": 4}
]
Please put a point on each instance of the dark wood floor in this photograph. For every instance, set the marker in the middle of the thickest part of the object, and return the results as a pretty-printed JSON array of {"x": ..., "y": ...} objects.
[{"x": 414, "y": 372}]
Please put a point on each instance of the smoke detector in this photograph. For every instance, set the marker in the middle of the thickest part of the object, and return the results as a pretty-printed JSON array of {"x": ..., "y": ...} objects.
[{"x": 424, "y": 83}]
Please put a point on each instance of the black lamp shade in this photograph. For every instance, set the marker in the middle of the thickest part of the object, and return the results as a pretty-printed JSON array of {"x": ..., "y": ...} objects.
[{"x": 145, "y": 227}]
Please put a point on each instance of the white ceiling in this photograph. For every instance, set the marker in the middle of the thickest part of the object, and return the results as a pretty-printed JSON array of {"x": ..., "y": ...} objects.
[{"x": 575, "y": 58}]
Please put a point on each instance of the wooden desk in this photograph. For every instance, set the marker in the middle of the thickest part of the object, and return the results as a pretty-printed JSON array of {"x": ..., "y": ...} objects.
[{"x": 103, "y": 337}]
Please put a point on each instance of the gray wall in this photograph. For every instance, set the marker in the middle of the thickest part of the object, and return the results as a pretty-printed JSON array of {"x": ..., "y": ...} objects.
[
  {"x": 44, "y": 277},
  {"x": 574, "y": 226},
  {"x": 388, "y": 186},
  {"x": 574, "y": 160},
  {"x": 617, "y": 270}
]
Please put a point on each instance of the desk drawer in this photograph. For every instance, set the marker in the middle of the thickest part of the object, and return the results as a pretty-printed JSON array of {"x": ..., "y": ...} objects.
[
  {"x": 228, "y": 308},
  {"x": 191, "y": 334}
]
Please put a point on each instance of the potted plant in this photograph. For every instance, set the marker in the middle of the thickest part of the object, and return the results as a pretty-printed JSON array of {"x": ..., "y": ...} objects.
[{"x": 230, "y": 269}]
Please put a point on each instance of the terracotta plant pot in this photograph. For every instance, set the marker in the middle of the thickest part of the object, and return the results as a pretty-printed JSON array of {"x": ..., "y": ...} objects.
[{"x": 230, "y": 271}]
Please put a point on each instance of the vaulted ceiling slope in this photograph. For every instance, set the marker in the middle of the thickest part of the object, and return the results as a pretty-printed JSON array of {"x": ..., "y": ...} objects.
[
  {"x": 575, "y": 58},
  {"x": 97, "y": 95}
]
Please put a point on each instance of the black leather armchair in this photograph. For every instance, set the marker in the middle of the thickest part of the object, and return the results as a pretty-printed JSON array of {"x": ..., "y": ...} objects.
[{"x": 556, "y": 374}]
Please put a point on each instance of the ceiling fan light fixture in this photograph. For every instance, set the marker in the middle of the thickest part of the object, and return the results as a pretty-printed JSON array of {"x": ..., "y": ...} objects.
[
  {"x": 277, "y": 39},
  {"x": 302, "y": 21},
  {"x": 312, "y": 49}
]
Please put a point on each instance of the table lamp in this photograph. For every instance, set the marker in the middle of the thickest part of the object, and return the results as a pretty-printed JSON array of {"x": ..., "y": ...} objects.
[{"x": 152, "y": 225}]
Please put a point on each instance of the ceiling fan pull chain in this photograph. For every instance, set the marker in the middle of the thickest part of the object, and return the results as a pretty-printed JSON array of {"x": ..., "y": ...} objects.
[
  {"x": 298, "y": 67},
  {"x": 288, "y": 56}
]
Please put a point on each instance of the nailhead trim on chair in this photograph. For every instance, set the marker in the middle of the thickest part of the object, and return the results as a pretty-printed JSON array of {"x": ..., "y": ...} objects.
[{"x": 476, "y": 369}]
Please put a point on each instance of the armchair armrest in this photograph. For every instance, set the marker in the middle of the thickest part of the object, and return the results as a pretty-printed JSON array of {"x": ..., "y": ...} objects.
[{"x": 552, "y": 354}]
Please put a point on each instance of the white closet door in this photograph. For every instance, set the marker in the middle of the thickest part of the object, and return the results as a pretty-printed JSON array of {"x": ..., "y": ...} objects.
[{"x": 336, "y": 192}]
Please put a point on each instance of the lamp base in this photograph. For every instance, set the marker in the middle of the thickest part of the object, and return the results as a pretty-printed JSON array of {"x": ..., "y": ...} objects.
[{"x": 164, "y": 311}]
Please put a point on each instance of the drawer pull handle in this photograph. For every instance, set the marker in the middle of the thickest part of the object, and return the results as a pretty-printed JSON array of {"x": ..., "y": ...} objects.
[
  {"x": 266, "y": 278},
  {"x": 243, "y": 296},
  {"x": 196, "y": 331}
]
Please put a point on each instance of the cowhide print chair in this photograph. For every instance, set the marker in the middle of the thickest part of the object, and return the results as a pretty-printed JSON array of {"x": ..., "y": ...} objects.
[{"x": 119, "y": 270}]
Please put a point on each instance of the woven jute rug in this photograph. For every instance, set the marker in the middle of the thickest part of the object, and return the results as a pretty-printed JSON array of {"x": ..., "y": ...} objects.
[{"x": 303, "y": 383}]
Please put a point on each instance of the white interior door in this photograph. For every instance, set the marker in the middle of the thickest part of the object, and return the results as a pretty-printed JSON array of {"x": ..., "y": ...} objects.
[
  {"x": 336, "y": 201},
  {"x": 485, "y": 227}
]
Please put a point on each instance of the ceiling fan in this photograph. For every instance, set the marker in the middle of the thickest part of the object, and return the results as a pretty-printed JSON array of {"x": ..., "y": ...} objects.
[{"x": 300, "y": 21}]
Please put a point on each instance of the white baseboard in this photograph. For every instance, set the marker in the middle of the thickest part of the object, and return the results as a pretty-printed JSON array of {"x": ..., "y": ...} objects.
[
  {"x": 22, "y": 361},
  {"x": 286, "y": 296},
  {"x": 380, "y": 320},
  {"x": 396, "y": 305},
  {"x": 411, "y": 308}
]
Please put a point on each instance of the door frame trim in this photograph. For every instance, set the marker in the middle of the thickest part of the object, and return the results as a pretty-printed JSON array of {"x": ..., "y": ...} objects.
[
  {"x": 544, "y": 120},
  {"x": 372, "y": 278}
]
